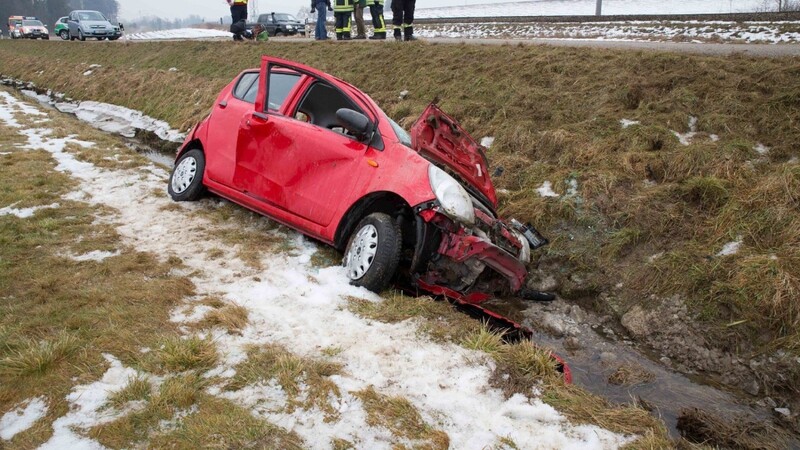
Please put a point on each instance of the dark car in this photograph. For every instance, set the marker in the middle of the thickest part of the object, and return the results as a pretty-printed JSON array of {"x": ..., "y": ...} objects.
[
  {"x": 279, "y": 24},
  {"x": 91, "y": 24}
]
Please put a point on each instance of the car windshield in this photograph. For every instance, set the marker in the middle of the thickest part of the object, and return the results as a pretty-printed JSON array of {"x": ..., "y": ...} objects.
[
  {"x": 285, "y": 18},
  {"x": 31, "y": 23},
  {"x": 91, "y": 15},
  {"x": 402, "y": 135}
]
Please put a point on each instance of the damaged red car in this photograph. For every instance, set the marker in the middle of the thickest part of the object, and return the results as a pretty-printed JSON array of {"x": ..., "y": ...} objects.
[{"x": 316, "y": 154}]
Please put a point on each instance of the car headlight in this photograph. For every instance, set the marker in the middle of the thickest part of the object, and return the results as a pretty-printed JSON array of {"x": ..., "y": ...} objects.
[{"x": 452, "y": 197}]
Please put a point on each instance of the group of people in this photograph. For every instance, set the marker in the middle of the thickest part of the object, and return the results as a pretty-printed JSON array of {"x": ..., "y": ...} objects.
[{"x": 344, "y": 10}]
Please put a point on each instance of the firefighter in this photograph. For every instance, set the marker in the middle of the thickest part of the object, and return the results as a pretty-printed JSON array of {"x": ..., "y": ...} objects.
[
  {"x": 342, "y": 13},
  {"x": 402, "y": 18},
  {"x": 238, "y": 13},
  {"x": 379, "y": 25}
]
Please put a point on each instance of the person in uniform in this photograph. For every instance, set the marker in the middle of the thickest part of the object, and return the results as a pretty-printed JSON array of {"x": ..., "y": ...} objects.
[
  {"x": 378, "y": 23},
  {"x": 343, "y": 13},
  {"x": 403, "y": 17},
  {"x": 238, "y": 14}
]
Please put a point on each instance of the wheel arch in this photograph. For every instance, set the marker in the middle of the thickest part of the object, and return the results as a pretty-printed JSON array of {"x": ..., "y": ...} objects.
[
  {"x": 383, "y": 201},
  {"x": 191, "y": 145}
]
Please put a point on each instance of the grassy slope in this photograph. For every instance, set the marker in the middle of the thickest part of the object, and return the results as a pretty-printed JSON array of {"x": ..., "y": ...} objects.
[{"x": 555, "y": 114}]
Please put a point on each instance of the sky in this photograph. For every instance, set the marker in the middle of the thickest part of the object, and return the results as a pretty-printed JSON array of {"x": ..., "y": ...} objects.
[{"x": 212, "y": 10}]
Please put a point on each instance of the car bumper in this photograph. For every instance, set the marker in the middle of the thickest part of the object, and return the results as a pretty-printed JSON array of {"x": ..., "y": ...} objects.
[
  {"x": 102, "y": 33},
  {"x": 35, "y": 36}
]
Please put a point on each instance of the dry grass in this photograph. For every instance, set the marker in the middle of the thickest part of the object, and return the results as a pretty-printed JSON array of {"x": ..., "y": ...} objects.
[
  {"x": 628, "y": 375},
  {"x": 399, "y": 416},
  {"x": 232, "y": 317},
  {"x": 305, "y": 381},
  {"x": 34, "y": 357},
  {"x": 178, "y": 354},
  {"x": 700, "y": 427}
]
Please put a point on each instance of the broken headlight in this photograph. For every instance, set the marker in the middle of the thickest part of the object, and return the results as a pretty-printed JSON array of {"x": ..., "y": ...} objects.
[{"x": 452, "y": 197}]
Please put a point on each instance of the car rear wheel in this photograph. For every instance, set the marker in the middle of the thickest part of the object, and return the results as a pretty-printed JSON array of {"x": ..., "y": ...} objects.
[
  {"x": 186, "y": 180},
  {"x": 373, "y": 252},
  {"x": 63, "y": 34}
]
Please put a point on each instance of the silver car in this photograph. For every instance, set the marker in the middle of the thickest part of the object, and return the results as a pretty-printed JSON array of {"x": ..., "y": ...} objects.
[{"x": 91, "y": 24}]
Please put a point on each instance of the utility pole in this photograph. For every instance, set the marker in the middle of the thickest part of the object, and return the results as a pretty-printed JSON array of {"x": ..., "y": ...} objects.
[
  {"x": 598, "y": 10},
  {"x": 253, "y": 9}
]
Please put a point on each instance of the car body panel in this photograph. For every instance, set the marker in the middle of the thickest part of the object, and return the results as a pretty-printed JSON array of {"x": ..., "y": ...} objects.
[
  {"x": 61, "y": 24},
  {"x": 441, "y": 138}
]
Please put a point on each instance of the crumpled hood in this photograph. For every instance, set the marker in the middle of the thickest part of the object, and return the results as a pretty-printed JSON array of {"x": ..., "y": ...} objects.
[{"x": 440, "y": 138}]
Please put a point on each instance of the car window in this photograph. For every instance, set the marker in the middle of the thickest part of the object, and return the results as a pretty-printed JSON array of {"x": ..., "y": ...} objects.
[
  {"x": 31, "y": 23},
  {"x": 91, "y": 15},
  {"x": 280, "y": 85},
  {"x": 246, "y": 82},
  {"x": 402, "y": 134},
  {"x": 319, "y": 106},
  {"x": 285, "y": 17}
]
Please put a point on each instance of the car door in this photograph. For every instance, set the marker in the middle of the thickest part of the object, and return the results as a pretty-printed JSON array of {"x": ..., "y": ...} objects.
[
  {"x": 291, "y": 153},
  {"x": 231, "y": 108},
  {"x": 73, "y": 24}
]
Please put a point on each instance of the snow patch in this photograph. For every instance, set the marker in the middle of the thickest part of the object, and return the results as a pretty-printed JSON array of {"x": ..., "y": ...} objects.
[
  {"x": 22, "y": 417},
  {"x": 180, "y": 33},
  {"x": 87, "y": 73},
  {"x": 95, "y": 255},
  {"x": 686, "y": 138},
  {"x": 761, "y": 149},
  {"x": 487, "y": 141},
  {"x": 86, "y": 408},
  {"x": 24, "y": 213},
  {"x": 123, "y": 121},
  {"x": 731, "y": 248},
  {"x": 546, "y": 190},
  {"x": 628, "y": 123}
]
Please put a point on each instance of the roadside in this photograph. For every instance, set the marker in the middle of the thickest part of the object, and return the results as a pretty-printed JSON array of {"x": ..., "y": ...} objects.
[
  {"x": 643, "y": 168},
  {"x": 235, "y": 320}
]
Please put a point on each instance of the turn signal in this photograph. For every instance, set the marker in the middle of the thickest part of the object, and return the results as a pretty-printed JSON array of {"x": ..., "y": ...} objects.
[{"x": 372, "y": 162}]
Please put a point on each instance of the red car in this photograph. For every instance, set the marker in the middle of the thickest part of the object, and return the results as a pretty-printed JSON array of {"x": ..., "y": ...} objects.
[{"x": 316, "y": 154}]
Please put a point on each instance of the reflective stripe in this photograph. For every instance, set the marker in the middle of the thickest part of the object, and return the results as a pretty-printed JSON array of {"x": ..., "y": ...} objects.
[
  {"x": 382, "y": 28},
  {"x": 239, "y": 2}
]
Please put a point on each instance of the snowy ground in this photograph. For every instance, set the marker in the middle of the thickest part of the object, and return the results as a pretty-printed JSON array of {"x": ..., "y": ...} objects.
[
  {"x": 693, "y": 31},
  {"x": 177, "y": 34},
  {"x": 294, "y": 304}
]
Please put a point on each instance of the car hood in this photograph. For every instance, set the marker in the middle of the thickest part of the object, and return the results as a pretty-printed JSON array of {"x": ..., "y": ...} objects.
[
  {"x": 90, "y": 23},
  {"x": 438, "y": 137}
]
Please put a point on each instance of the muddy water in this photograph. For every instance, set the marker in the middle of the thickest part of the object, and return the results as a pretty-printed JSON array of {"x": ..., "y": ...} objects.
[{"x": 598, "y": 357}]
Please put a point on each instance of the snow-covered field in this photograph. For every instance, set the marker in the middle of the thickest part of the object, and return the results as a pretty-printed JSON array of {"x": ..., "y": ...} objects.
[
  {"x": 293, "y": 304},
  {"x": 587, "y": 8},
  {"x": 718, "y": 31},
  {"x": 177, "y": 34}
]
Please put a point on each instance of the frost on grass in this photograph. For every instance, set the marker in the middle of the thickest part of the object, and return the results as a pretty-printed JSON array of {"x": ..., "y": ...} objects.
[
  {"x": 86, "y": 408},
  {"x": 22, "y": 417},
  {"x": 546, "y": 190},
  {"x": 731, "y": 248},
  {"x": 24, "y": 213}
]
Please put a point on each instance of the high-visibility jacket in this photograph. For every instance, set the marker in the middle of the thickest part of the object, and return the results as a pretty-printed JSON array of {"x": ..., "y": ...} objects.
[
  {"x": 343, "y": 6},
  {"x": 239, "y": 2}
]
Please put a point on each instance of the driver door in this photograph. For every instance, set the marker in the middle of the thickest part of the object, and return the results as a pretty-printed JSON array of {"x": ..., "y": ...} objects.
[{"x": 291, "y": 153}]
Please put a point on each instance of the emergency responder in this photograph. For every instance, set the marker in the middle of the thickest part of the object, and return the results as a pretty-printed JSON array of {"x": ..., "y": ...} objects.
[
  {"x": 402, "y": 18},
  {"x": 343, "y": 13},
  {"x": 320, "y": 32},
  {"x": 378, "y": 24},
  {"x": 361, "y": 32},
  {"x": 238, "y": 13}
]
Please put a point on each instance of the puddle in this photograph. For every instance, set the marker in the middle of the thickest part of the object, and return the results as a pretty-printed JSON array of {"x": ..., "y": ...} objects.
[{"x": 598, "y": 357}]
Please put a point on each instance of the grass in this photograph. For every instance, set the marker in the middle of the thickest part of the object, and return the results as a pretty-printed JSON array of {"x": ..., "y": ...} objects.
[
  {"x": 179, "y": 354},
  {"x": 399, "y": 416}
]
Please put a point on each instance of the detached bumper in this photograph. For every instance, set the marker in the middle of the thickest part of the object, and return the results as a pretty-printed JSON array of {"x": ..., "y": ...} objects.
[{"x": 461, "y": 247}]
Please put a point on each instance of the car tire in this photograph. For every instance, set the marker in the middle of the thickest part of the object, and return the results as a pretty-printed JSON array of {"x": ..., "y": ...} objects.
[
  {"x": 279, "y": 33},
  {"x": 101, "y": 39},
  {"x": 63, "y": 34},
  {"x": 113, "y": 38},
  {"x": 373, "y": 252},
  {"x": 186, "y": 179},
  {"x": 81, "y": 36}
]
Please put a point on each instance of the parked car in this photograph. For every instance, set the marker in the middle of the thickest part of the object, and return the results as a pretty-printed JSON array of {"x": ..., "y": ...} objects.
[
  {"x": 15, "y": 25},
  {"x": 61, "y": 28},
  {"x": 315, "y": 153},
  {"x": 91, "y": 24},
  {"x": 33, "y": 29},
  {"x": 279, "y": 24}
]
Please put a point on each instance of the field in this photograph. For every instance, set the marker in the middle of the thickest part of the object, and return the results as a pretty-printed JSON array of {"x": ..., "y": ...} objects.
[{"x": 674, "y": 178}]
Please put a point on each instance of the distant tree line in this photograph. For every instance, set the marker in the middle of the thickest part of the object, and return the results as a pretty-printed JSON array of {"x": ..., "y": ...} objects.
[
  {"x": 49, "y": 11},
  {"x": 779, "y": 5}
]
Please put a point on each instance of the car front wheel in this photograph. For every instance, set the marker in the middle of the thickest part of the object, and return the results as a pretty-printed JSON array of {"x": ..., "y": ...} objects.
[
  {"x": 81, "y": 36},
  {"x": 373, "y": 252},
  {"x": 186, "y": 180}
]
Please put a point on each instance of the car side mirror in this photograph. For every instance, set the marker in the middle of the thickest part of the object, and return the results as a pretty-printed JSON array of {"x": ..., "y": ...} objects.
[{"x": 355, "y": 122}]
